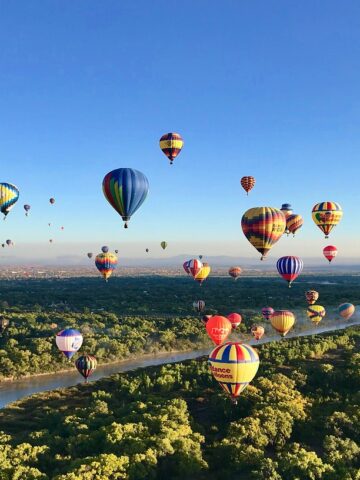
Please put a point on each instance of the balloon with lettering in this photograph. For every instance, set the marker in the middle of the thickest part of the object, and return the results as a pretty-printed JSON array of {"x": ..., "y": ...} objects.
[
  {"x": 218, "y": 328},
  {"x": 330, "y": 252},
  {"x": 326, "y": 216},
  {"x": 69, "y": 341}
]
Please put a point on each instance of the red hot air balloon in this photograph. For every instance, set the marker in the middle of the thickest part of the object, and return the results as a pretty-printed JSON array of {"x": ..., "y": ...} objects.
[
  {"x": 195, "y": 266},
  {"x": 235, "y": 272},
  {"x": 235, "y": 319},
  {"x": 186, "y": 266},
  {"x": 330, "y": 252},
  {"x": 218, "y": 329},
  {"x": 247, "y": 183}
]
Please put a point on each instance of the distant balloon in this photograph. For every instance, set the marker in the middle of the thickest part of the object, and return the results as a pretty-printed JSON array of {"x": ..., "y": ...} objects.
[
  {"x": 86, "y": 365},
  {"x": 311, "y": 296},
  {"x": 316, "y": 313},
  {"x": 267, "y": 312},
  {"x": 257, "y": 331},
  {"x": 147, "y": 250},
  {"x": 186, "y": 266},
  {"x": 194, "y": 266},
  {"x": 116, "y": 251},
  {"x": 61, "y": 228},
  {"x": 49, "y": 224},
  {"x": 235, "y": 272},
  {"x": 27, "y": 209},
  {"x": 69, "y": 341},
  {"x": 106, "y": 264},
  {"x": 104, "y": 249},
  {"x": 200, "y": 257},
  {"x": 293, "y": 223},
  {"x": 52, "y": 201},
  {"x": 282, "y": 321},
  {"x": 327, "y": 215},
  {"x": 286, "y": 208},
  {"x": 9, "y": 242},
  {"x": 218, "y": 328},
  {"x": 346, "y": 310},
  {"x": 205, "y": 318},
  {"x": 199, "y": 305},
  {"x": 51, "y": 240},
  {"x": 126, "y": 190},
  {"x": 171, "y": 145},
  {"x": 247, "y": 183},
  {"x": 289, "y": 268},
  {"x": 3, "y": 245},
  {"x": 163, "y": 245},
  {"x": 9, "y": 195},
  {"x": 203, "y": 274},
  {"x": 330, "y": 252},
  {"x": 90, "y": 254},
  {"x": 235, "y": 319},
  {"x": 4, "y": 323}
]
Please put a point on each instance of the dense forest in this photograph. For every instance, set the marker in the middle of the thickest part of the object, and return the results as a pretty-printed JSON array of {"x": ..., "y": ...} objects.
[{"x": 298, "y": 420}]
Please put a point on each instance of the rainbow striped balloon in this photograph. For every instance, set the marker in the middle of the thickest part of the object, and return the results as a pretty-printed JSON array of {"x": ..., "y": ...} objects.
[
  {"x": 327, "y": 215},
  {"x": 9, "y": 195},
  {"x": 234, "y": 365},
  {"x": 171, "y": 145},
  {"x": 346, "y": 310},
  {"x": 106, "y": 264},
  {"x": 293, "y": 223},
  {"x": 86, "y": 364},
  {"x": 316, "y": 313}
]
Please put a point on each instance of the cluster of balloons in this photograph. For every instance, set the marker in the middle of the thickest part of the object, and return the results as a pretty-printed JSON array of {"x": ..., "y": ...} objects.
[{"x": 198, "y": 270}]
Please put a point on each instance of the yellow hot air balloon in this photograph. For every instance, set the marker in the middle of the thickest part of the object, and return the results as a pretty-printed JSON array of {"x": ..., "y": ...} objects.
[
  {"x": 316, "y": 313},
  {"x": 9, "y": 195},
  {"x": 263, "y": 226},
  {"x": 282, "y": 321},
  {"x": 203, "y": 274},
  {"x": 327, "y": 215}
]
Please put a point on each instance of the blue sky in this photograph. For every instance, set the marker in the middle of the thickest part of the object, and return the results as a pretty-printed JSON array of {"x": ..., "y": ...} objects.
[{"x": 263, "y": 88}]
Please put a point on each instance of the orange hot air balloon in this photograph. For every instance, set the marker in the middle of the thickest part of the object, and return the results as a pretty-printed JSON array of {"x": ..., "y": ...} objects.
[
  {"x": 311, "y": 296},
  {"x": 257, "y": 331},
  {"x": 235, "y": 272},
  {"x": 218, "y": 328},
  {"x": 247, "y": 183},
  {"x": 235, "y": 319}
]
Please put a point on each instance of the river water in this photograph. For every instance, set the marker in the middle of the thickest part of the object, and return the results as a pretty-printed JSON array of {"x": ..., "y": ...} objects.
[{"x": 12, "y": 391}]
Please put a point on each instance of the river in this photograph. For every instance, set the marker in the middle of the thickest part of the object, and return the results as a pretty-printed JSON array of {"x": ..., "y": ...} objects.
[{"x": 17, "y": 389}]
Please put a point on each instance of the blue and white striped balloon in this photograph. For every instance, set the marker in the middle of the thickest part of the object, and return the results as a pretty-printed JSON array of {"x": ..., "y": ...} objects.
[{"x": 69, "y": 341}]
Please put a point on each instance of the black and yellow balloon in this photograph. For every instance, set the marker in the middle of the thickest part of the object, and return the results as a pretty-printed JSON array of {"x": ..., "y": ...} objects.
[{"x": 9, "y": 195}]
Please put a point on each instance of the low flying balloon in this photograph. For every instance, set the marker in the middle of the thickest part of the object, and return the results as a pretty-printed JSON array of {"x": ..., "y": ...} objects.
[
  {"x": 326, "y": 216},
  {"x": 218, "y": 328},
  {"x": 267, "y": 312},
  {"x": 4, "y": 323},
  {"x": 69, "y": 341},
  {"x": 311, "y": 296},
  {"x": 90, "y": 254},
  {"x": 27, "y": 209},
  {"x": 346, "y": 310},
  {"x": 234, "y": 365},
  {"x": 171, "y": 144},
  {"x": 330, "y": 252},
  {"x": 186, "y": 266},
  {"x": 86, "y": 365},
  {"x": 104, "y": 249},
  {"x": 163, "y": 245},
  {"x": 247, "y": 183},
  {"x": 282, "y": 321},
  {"x": 263, "y": 227},
  {"x": 235, "y": 319},
  {"x": 9, "y": 195},
  {"x": 126, "y": 190},
  {"x": 316, "y": 313},
  {"x": 289, "y": 268},
  {"x": 203, "y": 274},
  {"x": 106, "y": 264},
  {"x": 293, "y": 223},
  {"x": 257, "y": 331},
  {"x": 199, "y": 305},
  {"x": 194, "y": 266},
  {"x": 52, "y": 201},
  {"x": 235, "y": 272},
  {"x": 205, "y": 318}
]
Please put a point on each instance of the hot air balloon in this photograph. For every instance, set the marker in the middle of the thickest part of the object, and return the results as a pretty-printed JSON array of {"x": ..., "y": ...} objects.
[
  {"x": 194, "y": 266},
  {"x": 8, "y": 242},
  {"x": 52, "y": 201},
  {"x": 3, "y": 245},
  {"x": 235, "y": 272},
  {"x": 171, "y": 144},
  {"x": 234, "y": 365},
  {"x": 316, "y": 313},
  {"x": 49, "y": 224},
  {"x": 203, "y": 274},
  {"x": 327, "y": 215},
  {"x": 186, "y": 266},
  {"x": 330, "y": 252},
  {"x": 27, "y": 208},
  {"x": 116, "y": 251},
  {"x": 247, "y": 183},
  {"x": 263, "y": 226},
  {"x": 50, "y": 240},
  {"x": 199, "y": 305},
  {"x": 4, "y": 323},
  {"x": 147, "y": 250},
  {"x": 267, "y": 312},
  {"x": 86, "y": 365},
  {"x": 200, "y": 257},
  {"x": 282, "y": 321},
  {"x": 125, "y": 189},
  {"x": 311, "y": 296},
  {"x": 105, "y": 249},
  {"x": 90, "y": 255},
  {"x": 69, "y": 341},
  {"x": 218, "y": 328},
  {"x": 257, "y": 332},
  {"x": 289, "y": 268},
  {"x": 163, "y": 245},
  {"x": 205, "y": 318},
  {"x": 61, "y": 228},
  {"x": 235, "y": 319},
  {"x": 346, "y": 310},
  {"x": 106, "y": 264},
  {"x": 293, "y": 223},
  {"x": 9, "y": 195},
  {"x": 286, "y": 208}
]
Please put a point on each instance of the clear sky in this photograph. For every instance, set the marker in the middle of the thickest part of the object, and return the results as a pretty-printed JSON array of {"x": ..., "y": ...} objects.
[{"x": 264, "y": 88}]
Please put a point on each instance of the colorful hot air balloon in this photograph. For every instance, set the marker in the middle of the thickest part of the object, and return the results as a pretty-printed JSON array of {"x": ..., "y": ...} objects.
[
  {"x": 263, "y": 226},
  {"x": 9, "y": 195},
  {"x": 293, "y": 223},
  {"x": 186, "y": 266},
  {"x": 203, "y": 274},
  {"x": 125, "y": 189},
  {"x": 247, "y": 183},
  {"x": 199, "y": 305},
  {"x": 330, "y": 252},
  {"x": 235, "y": 319},
  {"x": 194, "y": 266},
  {"x": 327, "y": 215},
  {"x": 267, "y": 312},
  {"x": 106, "y": 264},
  {"x": 27, "y": 209},
  {"x": 69, "y": 341},
  {"x": 316, "y": 313},
  {"x": 52, "y": 201},
  {"x": 311, "y": 296},
  {"x": 346, "y": 310},
  {"x": 289, "y": 268},
  {"x": 86, "y": 364},
  {"x": 105, "y": 249},
  {"x": 286, "y": 208},
  {"x": 282, "y": 321},
  {"x": 235, "y": 272},
  {"x": 234, "y": 365},
  {"x": 218, "y": 328},
  {"x": 4, "y": 323},
  {"x": 205, "y": 318},
  {"x": 171, "y": 144},
  {"x": 163, "y": 245},
  {"x": 90, "y": 255},
  {"x": 257, "y": 332}
]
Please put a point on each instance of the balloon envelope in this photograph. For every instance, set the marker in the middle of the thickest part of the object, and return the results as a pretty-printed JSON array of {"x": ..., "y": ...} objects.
[
  {"x": 9, "y": 195},
  {"x": 194, "y": 266},
  {"x": 293, "y": 223},
  {"x": 289, "y": 268},
  {"x": 235, "y": 319},
  {"x": 163, "y": 245},
  {"x": 203, "y": 274},
  {"x": 90, "y": 255},
  {"x": 171, "y": 145},
  {"x": 267, "y": 312},
  {"x": 316, "y": 313},
  {"x": 282, "y": 321},
  {"x": 86, "y": 364},
  {"x": 346, "y": 310},
  {"x": 218, "y": 328},
  {"x": 199, "y": 305},
  {"x": 104, "y": 249},
  {"x": 257, "y": 331},
  {"x": 330, "y": 252},
  {"x": 106, "y": 264},
  {"x": 235, "y": 272},
  {"x": 69, "y": 341},
  {"x": 247, "y": 183},
  {"x": 311, "y": 296},
  {"x": 326, "y": 216}
]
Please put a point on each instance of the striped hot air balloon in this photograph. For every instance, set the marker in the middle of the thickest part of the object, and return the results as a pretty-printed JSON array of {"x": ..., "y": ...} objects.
[
  {"x": 286, "y": 208},
  {"x": 263, "y": 227},
  {"x": 289, "y": 268},
  {"x": 311, "y": 296},
  {"x": 186, "y": 266},
  {"x": 69, "y": 341},
  {"x": 282, "y": 321},
  {"x": 247, "y": 183},
  {"x": 293, "y": 223},
  {"x": 235, "y": 319},
  {"x": 235, "y": 272},
  {"x": 199, "y": 305},
  {"x": 316, "y": 313},
  {"x": 203, "y": 274},
  {"x": 194, "y": 266},
  {"x": 234, "y": 365},
  {"x": 9, "y": 195},
  {"x": 326, "y": 216},
  {"x": 267, "y": 312},
  {"x": 86, "y": 365},
  {"x": 330, "y": 252},
  {"x": 257, "y": 332},
  {"x": 171, "y": 144},
  {"x": 346, "y": 310},
  {"x": 106, "y": 264}
]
